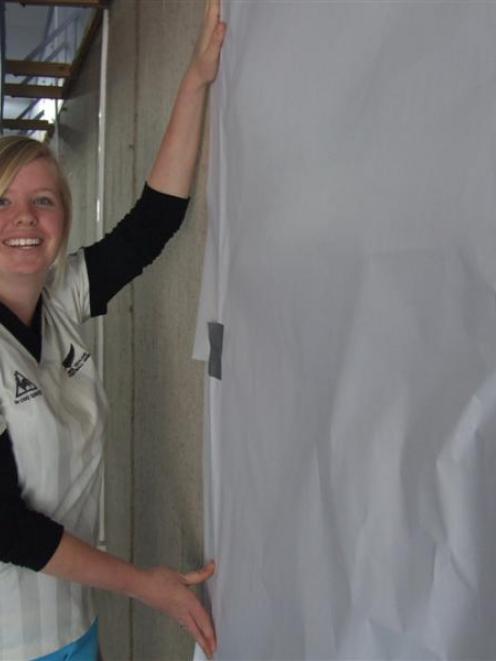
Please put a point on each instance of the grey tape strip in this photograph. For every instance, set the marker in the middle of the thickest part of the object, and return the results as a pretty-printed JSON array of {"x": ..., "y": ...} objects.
[{"x": 216, "y": 338}]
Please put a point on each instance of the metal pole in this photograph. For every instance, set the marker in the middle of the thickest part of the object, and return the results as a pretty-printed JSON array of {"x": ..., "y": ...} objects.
[
  {"x": 102, "y": 121},
  {"x": 2, "y": 60},
  {"x": 51, "y": 36}
]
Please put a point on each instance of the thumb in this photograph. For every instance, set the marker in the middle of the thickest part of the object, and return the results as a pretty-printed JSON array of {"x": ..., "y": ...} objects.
[
  {"x": 199, "y": 575},
  {"x": 217, "y": 38}
]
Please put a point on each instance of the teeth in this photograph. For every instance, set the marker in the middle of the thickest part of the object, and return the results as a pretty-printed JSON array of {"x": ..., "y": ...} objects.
[{"x": 22, "y": 243}]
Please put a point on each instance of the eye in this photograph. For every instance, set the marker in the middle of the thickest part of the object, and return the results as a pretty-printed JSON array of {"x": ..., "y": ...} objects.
[
  {"x": 44, "y": 201},
  {"x": 4, "y": 202}
]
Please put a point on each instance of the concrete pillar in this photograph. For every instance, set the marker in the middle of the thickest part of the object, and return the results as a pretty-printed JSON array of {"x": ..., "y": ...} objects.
[
  {"x": 167, "y": 383},
  {"x": 119, "y": 194}
]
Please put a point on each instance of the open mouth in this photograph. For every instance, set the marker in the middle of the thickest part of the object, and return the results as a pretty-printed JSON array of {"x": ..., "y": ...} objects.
[{"x": 25, "y": 244}]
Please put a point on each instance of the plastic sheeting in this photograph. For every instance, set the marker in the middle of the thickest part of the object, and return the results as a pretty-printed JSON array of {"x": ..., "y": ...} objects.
[{"x": 351, "y": 258}]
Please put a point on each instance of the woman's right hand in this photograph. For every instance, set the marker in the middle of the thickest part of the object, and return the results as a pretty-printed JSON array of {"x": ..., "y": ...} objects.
[
  {"x": 169, "y": 591},
  {"x": 161, "y": 588}
]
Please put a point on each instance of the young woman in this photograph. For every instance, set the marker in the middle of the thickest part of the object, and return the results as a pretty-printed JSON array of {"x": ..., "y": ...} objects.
[{"x": 52, "y": 404}]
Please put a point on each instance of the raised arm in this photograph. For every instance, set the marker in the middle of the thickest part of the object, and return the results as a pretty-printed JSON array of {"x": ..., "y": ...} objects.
[
  {"x": 161, "y": 588},
  {"x": 175, "y": 163}
]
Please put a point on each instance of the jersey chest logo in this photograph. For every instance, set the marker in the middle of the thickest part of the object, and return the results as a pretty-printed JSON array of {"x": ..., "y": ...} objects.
[
  {"x": 25, "y": 389},
  {"x": 71, "y": 365}
]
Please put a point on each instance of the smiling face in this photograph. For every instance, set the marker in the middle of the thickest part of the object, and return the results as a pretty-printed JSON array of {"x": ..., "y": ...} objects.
[{"x": 31, "y": 222}]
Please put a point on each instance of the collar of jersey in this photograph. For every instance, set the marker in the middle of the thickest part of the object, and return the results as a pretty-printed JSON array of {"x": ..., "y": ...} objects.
[{"x": 28, "y": 336}]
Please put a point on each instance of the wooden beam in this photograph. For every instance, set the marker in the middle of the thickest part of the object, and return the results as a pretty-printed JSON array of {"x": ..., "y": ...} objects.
[
  {"x": 27, "y": 124},
  {"x": 95, "y": 4},
  {"x": 31, "y": 68},
  {"x": 33, "y": 91},
  {"x": 82, "y": 53}
]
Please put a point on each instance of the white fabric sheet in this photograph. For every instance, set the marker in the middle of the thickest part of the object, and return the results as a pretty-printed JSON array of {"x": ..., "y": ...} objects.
[{"x": 351, "y": 443}]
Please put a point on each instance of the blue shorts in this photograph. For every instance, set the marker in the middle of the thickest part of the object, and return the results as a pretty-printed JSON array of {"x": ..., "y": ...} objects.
[{"x": 83, "y": 649}]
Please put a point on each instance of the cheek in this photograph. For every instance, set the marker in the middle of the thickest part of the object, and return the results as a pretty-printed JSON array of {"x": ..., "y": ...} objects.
[
  {"x": 5, "y": 218},
  {"x": 58, "y": 227},
  {"x": 63, "y": 227},
  {"x": 54, "y": 228}
]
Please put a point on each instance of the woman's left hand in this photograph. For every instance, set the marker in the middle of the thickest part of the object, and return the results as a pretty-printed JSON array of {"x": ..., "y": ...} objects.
[
  {"x": 205, "y": 62},
  {"x": 175, "y": 163}
]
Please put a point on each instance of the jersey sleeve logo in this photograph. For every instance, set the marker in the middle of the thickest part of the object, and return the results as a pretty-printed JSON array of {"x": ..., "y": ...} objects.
[
  {"x": 25, "y": 389},
  {"x": 69, "y": 364},
  {"x": 69, "y": 359}
]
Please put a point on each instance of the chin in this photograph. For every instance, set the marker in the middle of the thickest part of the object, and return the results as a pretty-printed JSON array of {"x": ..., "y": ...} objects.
[
  {"x": 27, "y": 265},
  {"x": 36, "y": 271}
]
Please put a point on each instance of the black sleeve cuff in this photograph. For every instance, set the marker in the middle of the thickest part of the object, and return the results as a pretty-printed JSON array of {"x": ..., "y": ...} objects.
[
  {"x": 154, "y": 202},
  {"x": 35, "y": 538},
  {"x": 27, "y": 538}
]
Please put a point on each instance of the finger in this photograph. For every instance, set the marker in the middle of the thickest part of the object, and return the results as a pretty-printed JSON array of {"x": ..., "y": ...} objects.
[
  {"x": 210, "y": 23},
  {"x": 212, "y": 10},
  {"x": 204, "y": 624},
  {"x": 199, "y": 575},
  {"x": 190, "y": 625},
  {"x": 214, "y": 45},
  {"x": 218, "y": 35},
  {"x": 211, "y": 18}
]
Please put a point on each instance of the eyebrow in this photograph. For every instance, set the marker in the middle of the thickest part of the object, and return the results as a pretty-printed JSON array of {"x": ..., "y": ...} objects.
[{"x": 37, "y": 190}]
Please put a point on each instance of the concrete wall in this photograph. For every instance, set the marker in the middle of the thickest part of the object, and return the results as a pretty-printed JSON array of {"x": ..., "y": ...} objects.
[{"x": 153, "y": 480}]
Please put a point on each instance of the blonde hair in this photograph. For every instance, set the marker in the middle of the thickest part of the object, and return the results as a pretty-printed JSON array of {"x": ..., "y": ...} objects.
[{"x": 16, "y": 151}]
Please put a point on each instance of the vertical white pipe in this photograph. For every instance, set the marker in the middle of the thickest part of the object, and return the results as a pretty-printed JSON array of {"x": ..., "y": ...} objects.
[
  {"x": 102, "y": 116},
  {"x": 56, "y": 107}
]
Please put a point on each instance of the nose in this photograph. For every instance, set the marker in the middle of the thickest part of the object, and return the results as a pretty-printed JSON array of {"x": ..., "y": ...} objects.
[{"x": 25, "y": 217}]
